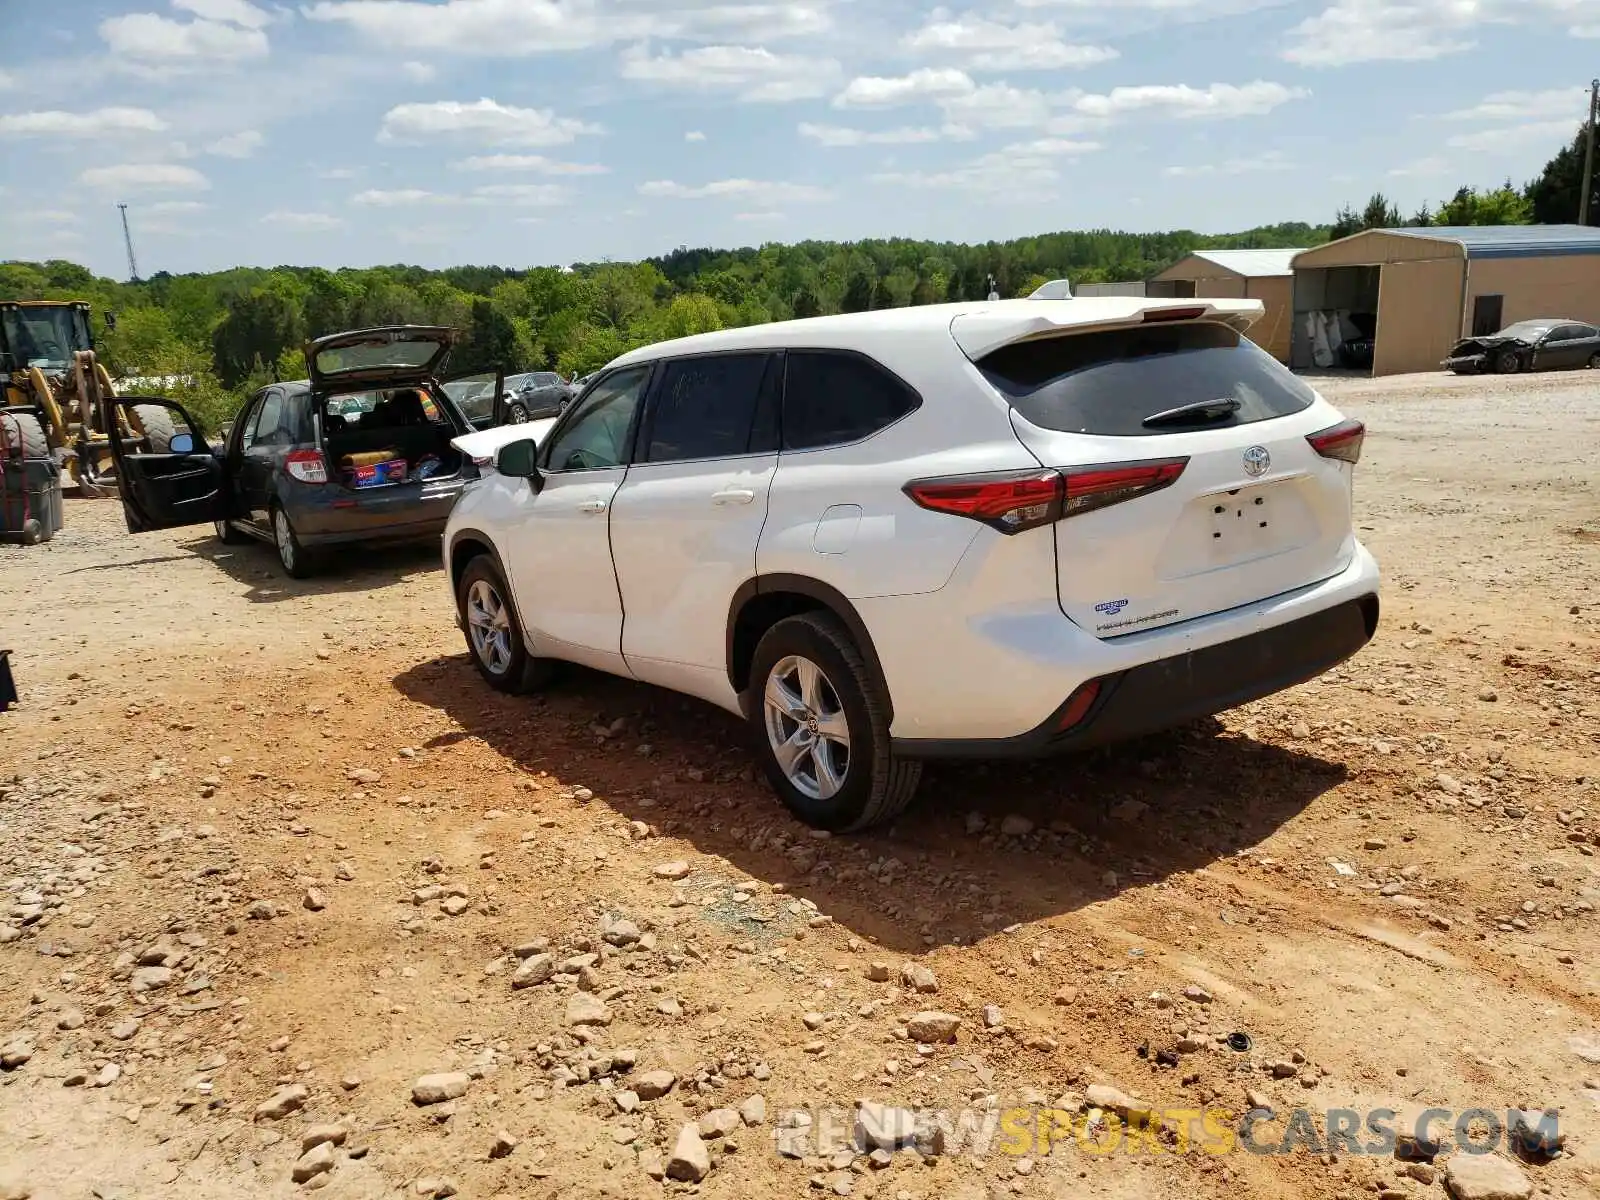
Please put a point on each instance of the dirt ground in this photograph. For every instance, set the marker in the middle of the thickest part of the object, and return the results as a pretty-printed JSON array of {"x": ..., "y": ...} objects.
[{"x": 259, "y": 835}]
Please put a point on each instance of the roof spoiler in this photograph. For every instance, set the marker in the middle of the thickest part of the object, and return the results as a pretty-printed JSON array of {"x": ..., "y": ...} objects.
[{"x": 981, "y": 331}]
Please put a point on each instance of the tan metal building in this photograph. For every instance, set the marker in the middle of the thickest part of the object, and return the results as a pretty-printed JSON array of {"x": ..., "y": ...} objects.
[
  {"x": 1264, "y": 275},
  {"x": 1412, "y": 293}
]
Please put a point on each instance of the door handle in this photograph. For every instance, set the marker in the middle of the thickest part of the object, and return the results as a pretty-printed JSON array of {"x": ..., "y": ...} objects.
[
  {"x": 735, "y": 495},
  {"x": 593, "y": 506}
]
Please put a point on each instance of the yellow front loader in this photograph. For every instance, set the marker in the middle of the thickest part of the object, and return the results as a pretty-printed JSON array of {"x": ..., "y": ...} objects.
[{"x": 53, "y": 385}]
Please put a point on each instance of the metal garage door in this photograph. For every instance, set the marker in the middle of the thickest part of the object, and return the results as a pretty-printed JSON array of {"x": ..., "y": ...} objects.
[{"x": 1419, "y": 314}]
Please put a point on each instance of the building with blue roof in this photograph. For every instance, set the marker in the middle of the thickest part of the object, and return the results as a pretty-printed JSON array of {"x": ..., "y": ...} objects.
[{"x": 1394, "y": 301}]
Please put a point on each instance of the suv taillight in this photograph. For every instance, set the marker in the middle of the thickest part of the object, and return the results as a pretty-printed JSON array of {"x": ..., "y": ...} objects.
[
  {"x": 1012, "y": 501},
  {"x": 307, "y": 466},
  {"x": 1341, "y": 441}
]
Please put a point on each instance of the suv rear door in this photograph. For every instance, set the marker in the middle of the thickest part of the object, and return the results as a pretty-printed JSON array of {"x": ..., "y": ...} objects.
[
  {"x": 1206, "y": 437},
  {"x": 686, "y": 520}
]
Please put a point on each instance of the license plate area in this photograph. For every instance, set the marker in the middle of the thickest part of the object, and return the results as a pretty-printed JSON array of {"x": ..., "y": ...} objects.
[{"x": 1242, "y": 523}]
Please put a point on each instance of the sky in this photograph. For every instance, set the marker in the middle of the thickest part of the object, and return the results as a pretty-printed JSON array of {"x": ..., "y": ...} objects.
[{"x": 542, "y": 132}]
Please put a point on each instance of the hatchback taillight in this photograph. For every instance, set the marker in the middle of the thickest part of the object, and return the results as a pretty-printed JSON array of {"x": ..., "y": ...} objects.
[
  {"x": 1012, "y": 501},
  {"x": 308, "y": 466},
  {"x": 1341, "y": 441}
]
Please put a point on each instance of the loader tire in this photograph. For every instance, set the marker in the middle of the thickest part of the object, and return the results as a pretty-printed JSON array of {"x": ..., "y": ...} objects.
[
  {"x": 23, "y": 433},
  {"x": 156, "y": 422}
]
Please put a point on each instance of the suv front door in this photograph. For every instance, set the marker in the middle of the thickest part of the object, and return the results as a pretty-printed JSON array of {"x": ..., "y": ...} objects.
[
  {"x": 685, "y": 523},
  {"x": 558, "y": 551},
  {"x": 186, "y": 484}
]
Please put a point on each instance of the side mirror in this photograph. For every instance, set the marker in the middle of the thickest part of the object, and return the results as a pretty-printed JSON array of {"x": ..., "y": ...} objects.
[
  {"x": 520, "y": 460},
  {"x": 181, "y": 443}
]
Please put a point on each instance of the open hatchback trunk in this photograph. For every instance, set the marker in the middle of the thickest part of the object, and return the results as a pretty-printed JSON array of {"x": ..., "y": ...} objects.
[
  {"x": 1190, "y": 473},
  {"x": 393, "y": 356}
]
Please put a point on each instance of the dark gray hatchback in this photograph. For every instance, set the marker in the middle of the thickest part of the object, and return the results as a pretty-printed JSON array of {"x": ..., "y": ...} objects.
[{"x": 358, "y": 453}]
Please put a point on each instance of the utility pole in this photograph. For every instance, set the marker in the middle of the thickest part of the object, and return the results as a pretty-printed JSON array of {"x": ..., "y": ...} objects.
[
  {"x": 127, "y": 240},
  {"x": 1588, "y": 158}
]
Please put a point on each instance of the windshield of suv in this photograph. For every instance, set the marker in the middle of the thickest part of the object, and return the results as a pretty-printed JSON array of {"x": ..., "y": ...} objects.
[{"x": 45, "y": 336}]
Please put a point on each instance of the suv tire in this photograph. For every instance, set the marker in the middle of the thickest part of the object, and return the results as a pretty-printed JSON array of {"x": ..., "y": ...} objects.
[
  {"x": 494, "y": 632},
  {"x": 815, "y": 698}
]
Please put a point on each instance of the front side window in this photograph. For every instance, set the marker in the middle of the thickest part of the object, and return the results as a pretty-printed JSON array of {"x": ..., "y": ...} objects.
[
  {"x": 832, "y": 398},
  {"x": 706, "y": 407},
  {"x": 1160, "y": 378},
  {"x": 598, "y": 434}
]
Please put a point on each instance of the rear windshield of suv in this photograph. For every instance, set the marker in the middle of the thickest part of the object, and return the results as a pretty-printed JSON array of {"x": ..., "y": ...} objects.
[{"x": 1111, "y": 381}]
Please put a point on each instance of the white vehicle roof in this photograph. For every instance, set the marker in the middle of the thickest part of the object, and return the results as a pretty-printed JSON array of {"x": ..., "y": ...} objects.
[{"x": 977, "y": 326}]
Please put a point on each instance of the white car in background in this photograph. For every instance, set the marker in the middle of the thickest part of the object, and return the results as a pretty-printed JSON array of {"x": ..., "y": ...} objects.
[{"x": 969, "y": 530}]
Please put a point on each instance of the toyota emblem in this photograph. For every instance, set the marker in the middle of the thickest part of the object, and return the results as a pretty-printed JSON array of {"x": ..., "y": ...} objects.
[{"x": 1257, "y": 461}]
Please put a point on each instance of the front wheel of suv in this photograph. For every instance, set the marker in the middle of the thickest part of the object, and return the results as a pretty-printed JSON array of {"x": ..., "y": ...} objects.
[
  {"x": 494, "y": 634},
  {"x": 822, "y": 727}
]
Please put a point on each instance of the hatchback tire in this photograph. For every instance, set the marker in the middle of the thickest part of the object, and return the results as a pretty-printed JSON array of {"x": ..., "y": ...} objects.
[
  {"x": 494, "y": 632},
  {"x": 226, "y": 533},
  {"x": 297, "y": 563},
  {"x": 822, "y": 727}
]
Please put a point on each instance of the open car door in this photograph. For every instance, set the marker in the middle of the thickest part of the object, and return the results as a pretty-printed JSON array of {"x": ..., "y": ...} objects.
[
  {"x": 168, "y": 474},
  {"x": 479, "y": 398}
]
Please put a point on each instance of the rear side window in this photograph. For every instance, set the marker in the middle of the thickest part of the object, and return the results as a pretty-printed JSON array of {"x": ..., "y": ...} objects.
[
  {"x": 707, "y": 408},
  {"x": 1115, "y": 381},
  {"x": 831, "y": 398}
]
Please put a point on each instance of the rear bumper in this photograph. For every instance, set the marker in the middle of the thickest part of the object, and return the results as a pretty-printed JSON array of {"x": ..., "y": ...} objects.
[
  {"x": 975, "y": 680},
  {"x": 1171, "y": 691},
  {"x": 402, "y": 514}
]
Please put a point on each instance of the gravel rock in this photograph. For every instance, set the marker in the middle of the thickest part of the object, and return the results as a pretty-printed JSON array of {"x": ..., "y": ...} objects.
[
  {"x": 534, "y": 969},
  {"x": 1016, "y": 825},
  {"x": 454, "y": 906},
  {"x": 672, "y": 870},
  {"x": 13, "y": 1186},
  {"x": 993, "y": 1017},
  {"x": 436, "y": 1089},
  {"x": 316, "y": 1135},
  {"x": 754, "y": 1110},
  {"x": 150, "y": 979},
  {"x": 915, "y": 977},
  {"x": 929, "y": 1027},
  {"x": 314, "y": 1162},
  {"x": 653, "y": 1085},
  {"x": 690, "y": 1162},
  {"x": 1197, "y": 994},
  {"x": 1536, "y": 1133},
  {"x": 586, "y": 1009},
  {"x": 503, "y": 1144},
  {"x": 125, "y": 1029},
  {"x": 879, "y": 1127},
  {"x": 314, "y": 900},
  {"x": 618, "y": 931},
  {"x": 70, "y": 1018},
  {"x": 719, "y": 1123},
  {"x": 879, "y": 972},
  {"x": 1100, "y": 1095},
  {"x": 288, "y": 1099},
  {"x": 437, "y": 1189},
  {"x": 1485, "y": 1177}
]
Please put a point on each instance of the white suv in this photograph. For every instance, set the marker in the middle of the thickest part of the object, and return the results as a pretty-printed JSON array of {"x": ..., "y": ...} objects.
[{"x": 988, "y": 530}]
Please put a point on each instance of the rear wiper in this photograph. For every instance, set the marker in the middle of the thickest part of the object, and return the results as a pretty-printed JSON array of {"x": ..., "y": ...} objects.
[{"x": 1201, "y": 410}]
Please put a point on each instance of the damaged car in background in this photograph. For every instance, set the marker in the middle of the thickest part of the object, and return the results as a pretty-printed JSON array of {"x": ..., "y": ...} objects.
[{"x": 1543, "y": 344}]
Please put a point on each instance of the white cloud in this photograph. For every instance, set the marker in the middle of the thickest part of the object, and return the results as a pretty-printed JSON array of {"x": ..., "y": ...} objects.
[
  {"x": 1052, "y": 148},
  {"x": 838, "y": 135},
  {"x": 8, "y": 81},
  {"x": 482, "y": 121},
  {"x": 758, "y": 216},
  {"x": 169, "y": 207},
  {"x": 1423, "y": 168},
  {"x": 754, "y": 191},
  {"x": 144, "y": 177},
  {"x": 527, "y": 162},
  {"x": 303, "y": 222},
  {"x": 1269, "y": 160},
  {"x": 398, "y": 197},
  {"x": 1514, "y": 137},
  {"x": 419, "y": 72},
  {"x": 997, "y": 106},
  {"x": 1220, "y": 100},
  {"x": 1353, "y": 31},
  {"x": 694, "y": 135},
  {"x": 992, "y": 176},
  {"x": 1577, "y": 31},
  {"x": 927, "y": 83},
  {"x": 1517, "y": 106},
  {"x": 151, "y": 40},
  {"x": 499, "y": 193},
  {"x": 99, "y": 122},
  {"x": 518, "y": 28},
  {"x": 538, "y": 194},
  {"x": 236, "y": 145},
  {"x": 338, "y": 173},
  {"x": 232, "y": 12},
  {"x": 757, "y": 74},
  {"x": 47, "y": 216},
  {"x": 989, "y": 45}
]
